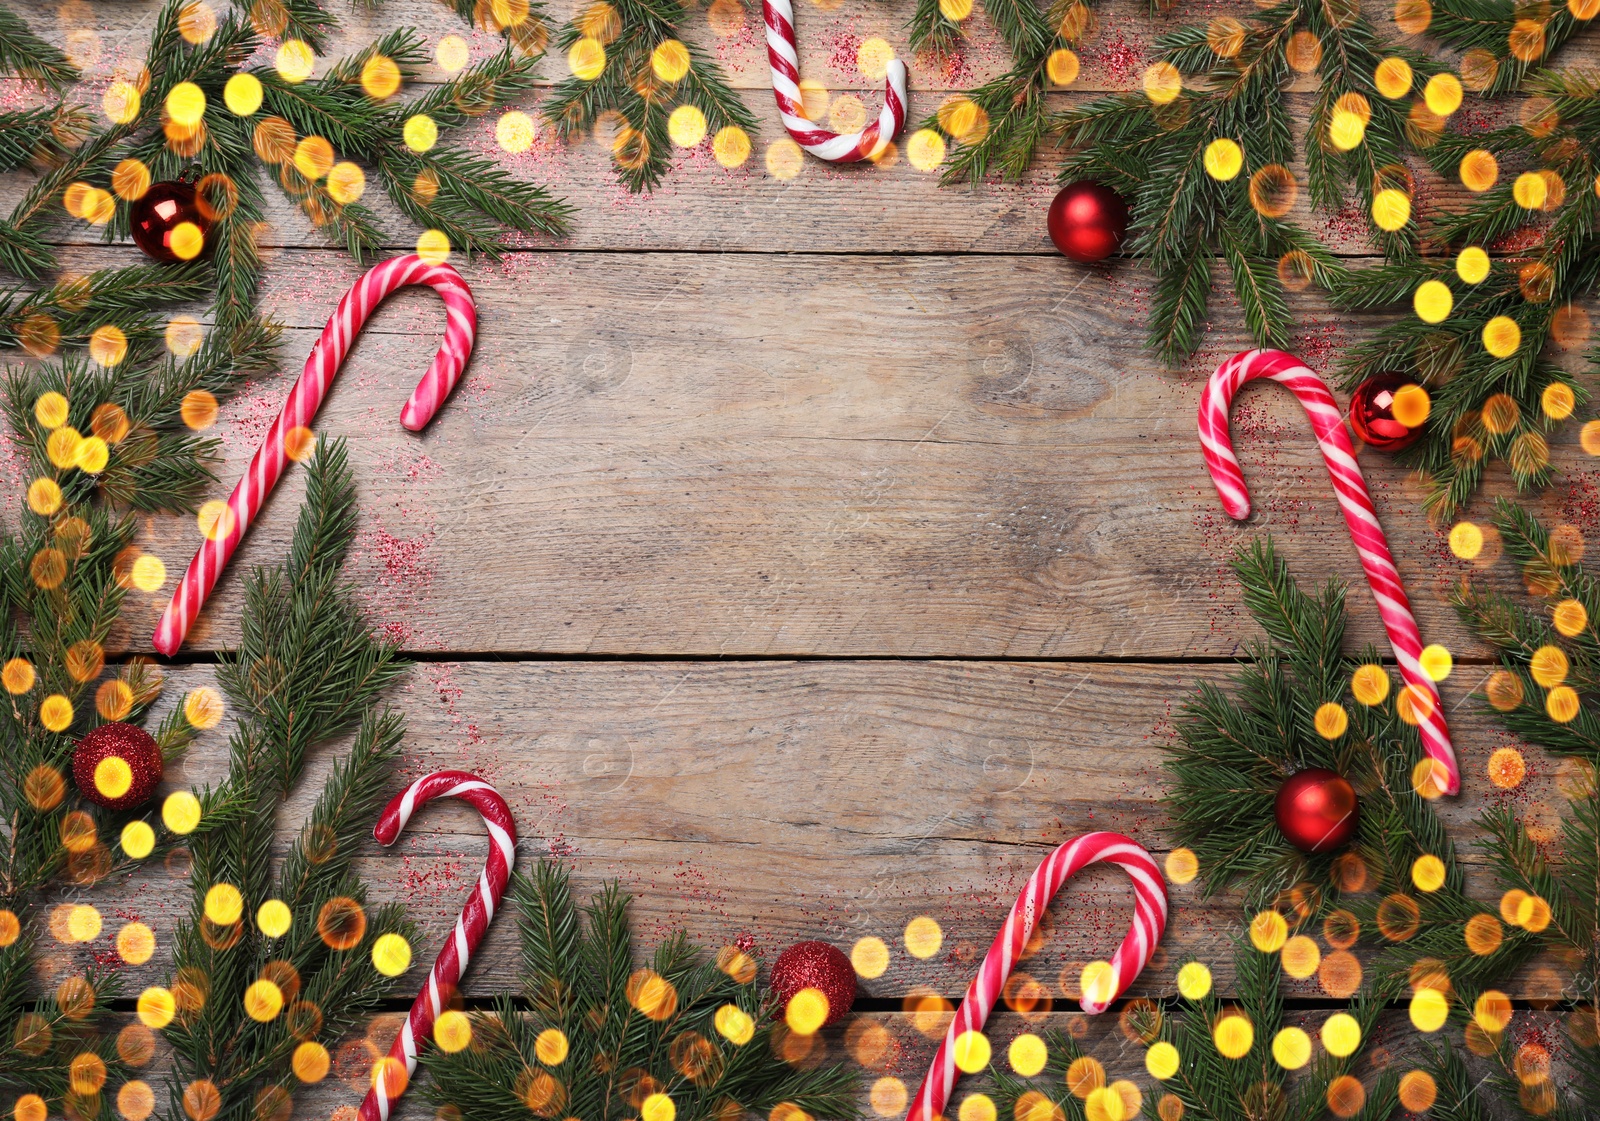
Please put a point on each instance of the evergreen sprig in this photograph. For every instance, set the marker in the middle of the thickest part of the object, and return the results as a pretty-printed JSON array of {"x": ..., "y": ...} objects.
[
  {"x": 25, "y": 54},
  {"x": 308, "y": 668},
  {"x": 599, "y": 1036},
  {"x": 1155, "y": 152},
  {"x": 646, "y": 70}
]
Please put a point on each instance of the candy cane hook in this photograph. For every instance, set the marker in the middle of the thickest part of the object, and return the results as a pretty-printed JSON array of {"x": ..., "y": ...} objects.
[
  {"x": 1327, "y": 421},
  {"x": 1149, "y": 921},
  {"x": 305, "y": 399},
  {"x": 451, "y": 963},
  {"x": 836, "y": 147}
]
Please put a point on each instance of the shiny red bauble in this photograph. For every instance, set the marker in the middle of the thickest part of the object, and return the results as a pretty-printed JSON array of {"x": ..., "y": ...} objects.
[
  {"x": 1317, "y": 810},
  {"x": 117, "y": 766},
  {"x": 1372, "y": 413},
  {"x": 155, "y": 218},
  {"x": 1088, "y": 221},
  {"x": 816, "y": 965}
]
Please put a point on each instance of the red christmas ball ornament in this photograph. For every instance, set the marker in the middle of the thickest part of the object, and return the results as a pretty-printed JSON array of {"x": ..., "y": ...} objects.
[
  {"x": 117, "y": 766},
  {"x": 1317, "y": 810},
  {"x": 168, "y": 223},
  {"x": 819, "y": 966},
  {"x": 1373, "y": 413},
  {"x": 1088, "y": 221}
]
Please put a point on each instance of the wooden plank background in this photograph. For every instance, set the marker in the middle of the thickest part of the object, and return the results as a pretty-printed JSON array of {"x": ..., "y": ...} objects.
[{"x": 812, "y": 554}]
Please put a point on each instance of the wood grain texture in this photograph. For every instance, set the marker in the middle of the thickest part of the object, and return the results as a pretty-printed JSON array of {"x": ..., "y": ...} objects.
[{"x": 780, "y": 801}]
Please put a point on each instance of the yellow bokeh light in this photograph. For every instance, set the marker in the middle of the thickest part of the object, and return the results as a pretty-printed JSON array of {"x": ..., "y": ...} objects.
[
  {"x": 313, "y": 157},
  {"x": 1549, "y": 666},
  {"x": 1027, "y": 1054},
  {"x": 1393, "y": 78},
  {"x": 451, "y": 54},
  {"x": 1331, "y": 721},
  {"x": 55, "y": 713},
  {"x": 148, "y": 573},
  {"x": 888, "y": 1097},
  {"x": 1433, "y": 301},
  {"x": 1492, "y": 1011},
  {"x": 1570, "y": 617},
  {"x": 923, "y": 937},
  {"x": 1436, "y": 662},
  {"x": 731, "y": 146},
  {"x": 243, "y": 94},
  {"x": 138, "y": 839},
  {"x": 310, "y": 1061},
  {"x": 136, "y": 943},
  {"x": 1530, "y": 190},
  {"x": 112, "y": 777},
  {"x": 670, "y": 60},
  {"x": 121, "y": 103},
  {"x": 784, "y": 159},
  {"x": 433, "y": 247},
  {"x": 1162, "y": 1060},
  {"x": 515, "y": 131},
  {"x": 1442, "y": 94},
  {"x": 203, "y": 707},
  {"x": 1391, "y": 209},
  {"x": 1429, "y": 778},
  {"x": 391, "y": 954},
  {"x": 156, "y": 1007},
  {"x": 420, "y": 132},
  {"x": 224, "y": 904},
  {"x": 1223, "y": 159},
  {"x": 1411, "y": 405},
  {"x": 734, "y": 1024},
  {"x": 1502, "y": 336},
  {"x": 295, "y": 61},
  {"x": 1062, "y": 67},
  {"x": 1162, "y": 83},
  {"x": 1182, "y": 866},
  {"x": 380, "y": 77},
  {"x": 136, "y": 1101},
  {"x": 1562, "y": 704},
  {"x": 1558, "y": 400},
  {"x": 1269, "y": 930},
  {"x": 873, "y": 57},
  {"x": 687, "y": 126},
  {"x": 1291, "y": 1048},
  {"x": 925, "y": 149},
  {"x": 1472, "y": 264},
  {"x": 1428, "y": 872},
  {"x": 1429, "y": 1010},
  {"x": 346, "y": 183},
  {"x": 18, "y": 676},
  {"x": 188, "y": 241},
  {"x": 180, "y": 813},
  {"x": 273, "y": 918},
  {"x": 1098, "y": 983},
  {"x": 1234, "y": 1035},
  {"x": 551, "y": 1047},
  {"x": 1085, "y": 1074},
  {"x": 1102, "y": 1104},
  {"x": 1194, "y": 980},
  {"x": 1479, "y": 170},
  {"x": 870, "y": 957},
  {"x": 83, "y": 923},
  {"x": 1341, "y": 1035},
  {"x": 1369, "y": 684},
  {"x": 1346, "y": 130},
  {"x": 1466, "y": 540},
  {"x": 108, "y": 345},
  {"x": 186, "y": 104},
  {"x": 50, "y": 410},
  {"x": 1300, "y": 957},
  {"x": 452, "y": 1031},
  {"x": 657, "y": 1107},
  {"x": 587, "y": 59},
  {"x": 263, "y": 1000},
  {"x": 299, "y": 443},
  {"x": 130, "y": 179},
  {"x": 806, "y": 1011},
  {"x": 972, "y": 1051}
]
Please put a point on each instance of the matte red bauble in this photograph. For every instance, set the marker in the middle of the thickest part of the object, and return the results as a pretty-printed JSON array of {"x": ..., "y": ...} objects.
[
  {"x": 117, "y": 766},
  {"x": 1372, "y": 413},
  {"x": 156, "y": 215},
  {"x": 1317, "y": 810},
  {"x": 1088, "y": 221},
  {"x": 816, "y": 965}
]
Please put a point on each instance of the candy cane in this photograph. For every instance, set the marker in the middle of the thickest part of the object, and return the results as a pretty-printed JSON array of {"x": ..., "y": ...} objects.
[
  {"x": 306, "y": 398},
  {"x": 448, "y": 967},
  {"x": 837, "y": 147},
  {"x": 1351, "y": 490},
  {"x": 1149, "y": 920}
]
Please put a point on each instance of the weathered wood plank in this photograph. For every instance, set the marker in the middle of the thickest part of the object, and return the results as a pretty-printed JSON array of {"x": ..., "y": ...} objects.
[
  {"x": 779, "y": 801},
  {"x": 707, "y": 454}
]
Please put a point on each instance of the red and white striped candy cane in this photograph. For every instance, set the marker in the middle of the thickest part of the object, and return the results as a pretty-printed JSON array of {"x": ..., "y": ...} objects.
[
  {"x": 448, "y": 967},
  {"x": 1149, "y": 920},
  {"x": 836, "y": 147},
  {"x": 461, "y": 324},
  {"x": 1327, "y": 421}
]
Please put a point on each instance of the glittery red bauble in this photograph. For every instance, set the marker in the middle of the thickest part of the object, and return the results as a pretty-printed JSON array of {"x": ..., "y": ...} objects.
[
  {"x": 135, "y": 747},
  {"x": 1372, "y": 413},
  {"x": 1317, "y": 810},
  {"x": 160, "y": 210},
  {"x": 816, "y": 965},
  {"x": 1088, "y": 221}
]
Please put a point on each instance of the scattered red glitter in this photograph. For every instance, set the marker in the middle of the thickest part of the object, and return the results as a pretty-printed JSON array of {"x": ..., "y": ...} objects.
[{"x": 1122, "y": 61}]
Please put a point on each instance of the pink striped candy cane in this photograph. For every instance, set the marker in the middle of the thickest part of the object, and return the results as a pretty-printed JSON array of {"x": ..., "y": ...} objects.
[
  {"x": 836, "y": 147},
  {"x": 305, "y": 399},
  {"x": 1149, "y": 920},
  {"x": 445, "y": 977},
  {"x": 1327, "y": 421}
]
